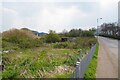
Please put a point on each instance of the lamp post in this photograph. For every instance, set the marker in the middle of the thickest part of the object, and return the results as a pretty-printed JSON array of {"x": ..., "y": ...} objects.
[{"x": 97, "y": 26}]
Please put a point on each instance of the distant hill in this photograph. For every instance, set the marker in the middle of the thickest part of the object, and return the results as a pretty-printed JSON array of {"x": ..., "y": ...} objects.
[
  {"x": 34, "y": 32},
  {"x": 25, "y": 29},
  {"x": 39, "y": 33}
]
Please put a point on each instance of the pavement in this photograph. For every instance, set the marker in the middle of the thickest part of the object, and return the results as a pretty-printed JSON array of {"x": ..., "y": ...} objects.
[{"x": 107, "y": 66}]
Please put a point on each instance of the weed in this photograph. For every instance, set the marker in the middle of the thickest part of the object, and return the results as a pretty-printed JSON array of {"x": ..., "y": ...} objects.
[{"x": 91, "y": 71}]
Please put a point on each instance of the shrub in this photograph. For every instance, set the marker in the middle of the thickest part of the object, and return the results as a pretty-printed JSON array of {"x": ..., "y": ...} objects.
[
  {"x": 52, "y": 38},
  {"x": 30, "y": 43},
  {"x": 85, "y": 42},
  {"x": 9, "y": 46},
  {"x": 61, "y": 45},
  {"x": 67, "y": 45},
  {"x": 87, "y": 33},
  {"x": 16, "y": 36},
  {"x": 20, "y": 38},
  {"x": 81, "y": 42}
]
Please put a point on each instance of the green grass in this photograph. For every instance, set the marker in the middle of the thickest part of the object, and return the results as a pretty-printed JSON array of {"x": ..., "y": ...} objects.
[
  {"x": 33, "y": 58},
  {"x": 65, "y": 75},
  {"x": 91, "y": 72},
  {"x": 41, "y": 62},
  {"x": 0, "y": 75}
]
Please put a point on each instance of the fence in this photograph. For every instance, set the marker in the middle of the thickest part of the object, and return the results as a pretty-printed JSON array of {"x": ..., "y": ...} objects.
[{"x": 82, "y": 66}]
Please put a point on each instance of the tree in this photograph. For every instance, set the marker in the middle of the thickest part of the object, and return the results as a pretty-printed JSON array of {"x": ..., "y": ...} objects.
[
  {"x": 79, "y": 33},
  {"x": 65, "y": 32},
  {"x": 52, "y": 37},
  {"x": 110, "y": 30},
  {"x": 74, "y": 33},
  {"x": 93, "y": 30},
  {"x": 87, "y": 33}
]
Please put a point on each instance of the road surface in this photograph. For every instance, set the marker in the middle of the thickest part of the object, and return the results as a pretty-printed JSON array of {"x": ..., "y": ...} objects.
[{"x": 107, "y": 66}]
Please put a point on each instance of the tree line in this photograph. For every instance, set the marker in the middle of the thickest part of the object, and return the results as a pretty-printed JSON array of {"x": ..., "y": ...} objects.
[
  {"x": 110, "y": 30},
  {"x": 53, "y": 37},
  {"x": 25, "y": 38},
  {"x": 78, "y": 33}
]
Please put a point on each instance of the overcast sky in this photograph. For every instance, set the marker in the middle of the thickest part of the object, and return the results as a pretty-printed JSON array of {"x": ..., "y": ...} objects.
[{"x": 56, "y": 15}]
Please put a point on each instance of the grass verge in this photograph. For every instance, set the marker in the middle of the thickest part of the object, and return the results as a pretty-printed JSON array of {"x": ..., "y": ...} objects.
[
  {"x": 91, "y": 72},
  {"x": 0, "y": 75}
]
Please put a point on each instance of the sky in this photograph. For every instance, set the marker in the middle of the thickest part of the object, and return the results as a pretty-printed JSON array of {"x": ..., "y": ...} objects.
[{"x": 45, "y": 15}]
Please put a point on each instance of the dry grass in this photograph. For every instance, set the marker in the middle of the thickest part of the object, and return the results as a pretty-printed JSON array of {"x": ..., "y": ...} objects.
[
  {"x": 41, "y": 62},
  {"x": 20, "y": 33}
]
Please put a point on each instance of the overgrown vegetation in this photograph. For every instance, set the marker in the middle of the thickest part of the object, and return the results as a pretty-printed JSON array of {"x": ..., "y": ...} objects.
[
  {"x": 26, "y": 55},
  {"x": 52, "y": 37},
  {"x": 38, "y": 63},
  {"x": 80, "y": 42},
  {"x": 15, "y": 39},
  {"x": 91, "y": 72}
]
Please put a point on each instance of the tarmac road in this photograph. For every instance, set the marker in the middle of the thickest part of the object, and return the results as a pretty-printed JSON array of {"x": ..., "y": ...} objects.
[{"x": 107, "y": 66}]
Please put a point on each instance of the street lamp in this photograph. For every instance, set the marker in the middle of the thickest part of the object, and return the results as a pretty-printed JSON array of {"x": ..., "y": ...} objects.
[{"x": 97, "y": 25}]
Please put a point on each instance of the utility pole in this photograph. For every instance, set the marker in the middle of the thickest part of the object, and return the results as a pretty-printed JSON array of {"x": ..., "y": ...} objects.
[{"x": 97, "y": 26}]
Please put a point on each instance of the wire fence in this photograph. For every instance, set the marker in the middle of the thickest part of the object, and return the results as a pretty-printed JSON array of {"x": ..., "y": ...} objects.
[{"x": 83, "y": 64}]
